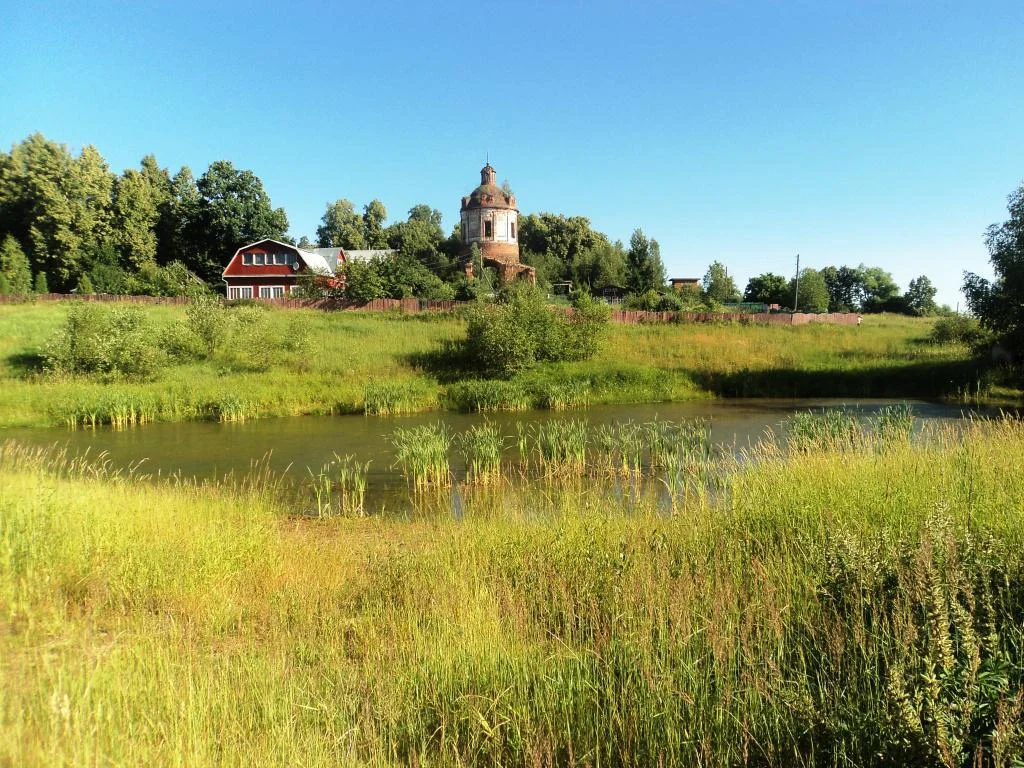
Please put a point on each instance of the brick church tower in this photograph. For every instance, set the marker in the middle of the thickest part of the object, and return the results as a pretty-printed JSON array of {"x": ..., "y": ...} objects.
[{"x": 491, "y": 220}]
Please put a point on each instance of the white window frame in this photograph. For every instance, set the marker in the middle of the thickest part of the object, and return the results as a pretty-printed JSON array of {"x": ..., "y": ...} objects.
[
  {"x": 247, "y": 259},
  {"x": 280, "y": 258},
  {"x": 259, "y": 259},
  {"x": 292, "y": 289},
  {"x": 236, "y": 292},
  {"x": 267, "y": 291}
]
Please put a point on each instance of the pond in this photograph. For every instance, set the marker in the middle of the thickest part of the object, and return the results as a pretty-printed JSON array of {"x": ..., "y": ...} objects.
[{"x": 206, "y": 450}]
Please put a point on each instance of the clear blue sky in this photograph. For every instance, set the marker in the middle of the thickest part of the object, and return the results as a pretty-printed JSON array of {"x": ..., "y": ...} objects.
[{"x": 888, "y": 132}]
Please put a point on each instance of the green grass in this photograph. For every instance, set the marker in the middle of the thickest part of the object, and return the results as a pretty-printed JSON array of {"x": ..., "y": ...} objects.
[
  {"x": 366, "y": 363},
  {"x": 841, "y": 606}
]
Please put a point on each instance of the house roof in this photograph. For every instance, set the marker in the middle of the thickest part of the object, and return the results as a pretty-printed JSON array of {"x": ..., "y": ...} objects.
[{"x": 324, "y": 260}]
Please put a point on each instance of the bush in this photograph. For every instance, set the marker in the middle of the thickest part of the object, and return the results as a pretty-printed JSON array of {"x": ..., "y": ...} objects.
[
  {"x": 521, "y": 329},
  {"x": 106, "y": 343},
  {"x": 208, "y": 319},
  {"x": 958, "y": 329}
]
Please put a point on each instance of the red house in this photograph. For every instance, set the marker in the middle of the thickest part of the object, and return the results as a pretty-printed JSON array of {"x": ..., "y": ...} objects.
[{"x": 269, "y": 269}]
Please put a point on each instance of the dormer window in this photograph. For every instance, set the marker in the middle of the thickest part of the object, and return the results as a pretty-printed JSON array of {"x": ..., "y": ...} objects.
[
  {"x": 247, "y": 259},
  {"x": 257, "y": 259}
]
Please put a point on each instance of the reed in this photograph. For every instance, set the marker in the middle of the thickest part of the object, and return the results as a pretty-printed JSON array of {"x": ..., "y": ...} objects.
[
  {"x": 421, "y": 453},
  {"x": 481, "y": 447},
  {"x": 558, "y": 447},
  {"x": 352, "y": 484}
]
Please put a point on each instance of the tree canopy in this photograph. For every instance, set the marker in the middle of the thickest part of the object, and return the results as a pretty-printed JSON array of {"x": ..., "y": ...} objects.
[{"x": 999, "y": 303}]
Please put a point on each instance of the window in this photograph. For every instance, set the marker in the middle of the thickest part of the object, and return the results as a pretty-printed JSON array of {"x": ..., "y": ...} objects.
[
  {"x": 247, "y": 259},
  {"x": 257, "y": 259},
  {"x": 264, "y": 291},
  {"x": 293, "y": 290},
  {"x": 280, "y": 258},
  {"x": 277, "y": 291},
  {"x": 240, "y": 292},
  {"x": 512, "y": 229},
  {"x": 488, "y": 230}
]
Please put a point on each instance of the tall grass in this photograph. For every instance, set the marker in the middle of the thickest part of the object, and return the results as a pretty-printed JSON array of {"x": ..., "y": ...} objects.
[
  {"x": 828, "y": 607},
  {"x": 481, "y": 447},
  {"x": 421, "y": 453}
]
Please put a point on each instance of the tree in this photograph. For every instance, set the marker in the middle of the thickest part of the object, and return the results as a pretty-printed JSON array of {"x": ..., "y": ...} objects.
[
  {"x": 814, "y": 296},
  {"x": 41, "y": 285},
  {"x": 14, "y": 266},
  {"x": 768, "y": 288},
  {"x": 920, "y": 297},
  {"x": 640, "y": 267},
  {"x": 877, "y": 289},
  {"x": 176, "y": 235},
  {"x": 363, "y": 281},
  {"x": 84, "y": 285},
  {"x": 719, "y": 286},
  {"x": 232, "y": 209},
  {"x": 138, "y": 199},
  {"x": 845, "y": 288},
  {"x": 54, "y": 203},
  {"x": 374, "y": 215},
  {"x": 657, "y": 265},
  {"x": 341, "y": 227},
  {"x": 999, "y": 303}
]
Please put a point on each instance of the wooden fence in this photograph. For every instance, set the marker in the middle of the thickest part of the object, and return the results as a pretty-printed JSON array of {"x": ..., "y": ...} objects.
[{"x": 406, "y": 306}]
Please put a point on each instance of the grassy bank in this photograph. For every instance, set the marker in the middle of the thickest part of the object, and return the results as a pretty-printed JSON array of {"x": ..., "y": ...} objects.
[
  {"x": 363, "y": 363},
  {"x": 860, "y": 606}
]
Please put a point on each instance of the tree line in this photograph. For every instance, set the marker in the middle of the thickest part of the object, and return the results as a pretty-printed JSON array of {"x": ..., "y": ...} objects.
[{"x": 67, "y": 222}]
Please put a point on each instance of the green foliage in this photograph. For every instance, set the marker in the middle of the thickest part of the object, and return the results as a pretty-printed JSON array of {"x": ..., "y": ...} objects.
[
  {"x": 363, "y": 281},
  {"x": 14, "y": 267},
  {"x": 566, "y": 248},
  {"x": 40, "y": 284},
  {"x": 641, "y": 270},
  {"x": 521, "y": 330},
  {"x": 5, "y": 286},
  {"x": 769, "y": 288},
  {"x": 920, "y": 297},
  {"x": 374, "y": 215},
  {"x": 999, "y": 303},
  {"x": 341, "y": 227},
  {"x": 959, "y": 329},
  {"x": 84, "y": 285},
  {"x": 107, "y": 343},
  {"x": 719, "y": 286},
  {"x": 813, "y": 296},
  {"x": 209, "y": 322}
]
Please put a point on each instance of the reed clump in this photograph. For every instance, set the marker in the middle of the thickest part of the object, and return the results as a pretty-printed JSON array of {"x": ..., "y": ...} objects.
[
  {"x": 421, "y": 453},
  {"x": 481, "y": 447}
]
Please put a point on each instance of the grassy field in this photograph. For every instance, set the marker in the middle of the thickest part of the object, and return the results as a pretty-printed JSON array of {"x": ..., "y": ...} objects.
[
  {"x": 855, "y": 604},
  {"x": 383, "y": 363}
]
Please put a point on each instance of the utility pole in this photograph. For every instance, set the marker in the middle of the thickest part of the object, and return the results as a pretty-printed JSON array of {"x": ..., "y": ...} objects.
[{"x": 796, "y": 297}]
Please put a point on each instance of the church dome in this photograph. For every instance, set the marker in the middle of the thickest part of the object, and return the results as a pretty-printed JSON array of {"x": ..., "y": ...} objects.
[{"x": 488, "y": 194}]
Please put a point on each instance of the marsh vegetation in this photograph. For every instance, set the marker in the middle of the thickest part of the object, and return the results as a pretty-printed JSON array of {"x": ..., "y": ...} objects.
[{"x": 850, "y": 597}]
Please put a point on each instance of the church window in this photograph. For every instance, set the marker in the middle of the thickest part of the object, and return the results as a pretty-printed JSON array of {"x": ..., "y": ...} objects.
[
  {"x": 488, "y": 231},
  {"x": 513, "y": 230}
]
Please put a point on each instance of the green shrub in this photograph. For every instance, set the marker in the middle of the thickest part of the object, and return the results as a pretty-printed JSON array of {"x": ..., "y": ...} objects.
[
  {"x": 105, "y": 343},
  {"x": 208, "y": 320},
  {"x": 958, "y": 329},
  {"x": 511, "y": 336}
]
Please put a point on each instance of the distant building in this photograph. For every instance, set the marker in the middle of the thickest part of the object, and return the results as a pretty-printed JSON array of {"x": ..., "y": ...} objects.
[
  {"x": 678, "y": 283},
  {"x": 270, "y": 269},
  {"x": 490, "y": 220}
]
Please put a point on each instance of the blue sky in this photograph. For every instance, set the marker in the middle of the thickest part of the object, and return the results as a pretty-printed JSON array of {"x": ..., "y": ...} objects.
[{"x": 888, "y": 133}]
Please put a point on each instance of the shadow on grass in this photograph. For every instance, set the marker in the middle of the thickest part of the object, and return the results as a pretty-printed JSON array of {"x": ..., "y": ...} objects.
[
  {"x": 26, "y": 364},
  {"x": 927, "y": 379},
  {"x": 448, "y": 364}
]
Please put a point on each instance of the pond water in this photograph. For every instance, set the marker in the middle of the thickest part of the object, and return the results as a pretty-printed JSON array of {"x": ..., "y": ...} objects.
[{"x": 207, "y": 450}]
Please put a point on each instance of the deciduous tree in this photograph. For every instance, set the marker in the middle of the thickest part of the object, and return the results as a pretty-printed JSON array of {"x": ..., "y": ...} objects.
[{"x": 999, "y": 303}]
